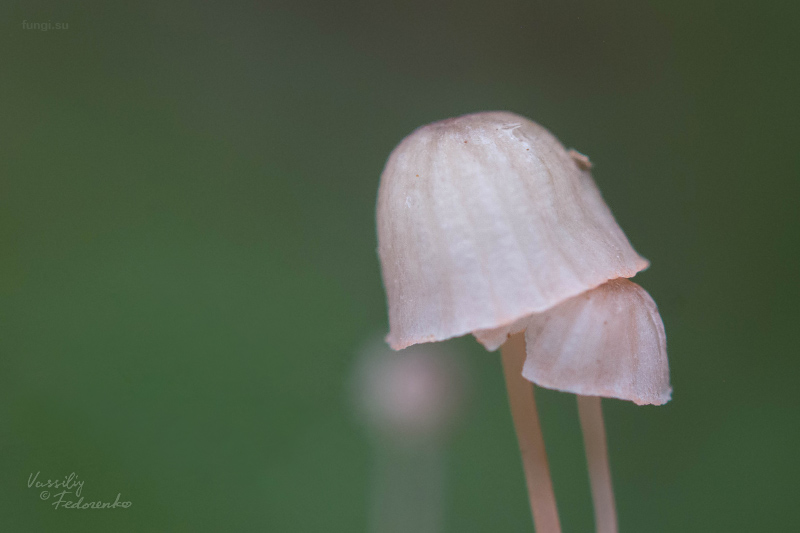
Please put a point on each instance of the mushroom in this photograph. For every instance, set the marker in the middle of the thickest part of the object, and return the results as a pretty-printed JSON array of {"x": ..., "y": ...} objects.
[
  {"x": 488, "y": 225},
  {"x": 411, "y": 397},
  {"x": 409, "y": 401}
]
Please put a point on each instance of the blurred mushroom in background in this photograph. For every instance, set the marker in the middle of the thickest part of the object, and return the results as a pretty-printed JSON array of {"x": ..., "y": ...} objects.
[{"x": 409, "y": 401}]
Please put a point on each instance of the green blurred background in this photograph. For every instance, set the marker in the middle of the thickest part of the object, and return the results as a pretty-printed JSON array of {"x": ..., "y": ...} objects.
[{"x": 188, "y": 266}]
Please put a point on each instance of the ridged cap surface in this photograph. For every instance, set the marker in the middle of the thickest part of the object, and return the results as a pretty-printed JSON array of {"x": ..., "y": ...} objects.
[
  {"x": 484, "y": 219},
  {"x": 606, "y": 342}
]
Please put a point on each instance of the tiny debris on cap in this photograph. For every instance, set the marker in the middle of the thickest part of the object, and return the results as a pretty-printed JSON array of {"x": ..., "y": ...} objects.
[{"x": 580, "y": 159}]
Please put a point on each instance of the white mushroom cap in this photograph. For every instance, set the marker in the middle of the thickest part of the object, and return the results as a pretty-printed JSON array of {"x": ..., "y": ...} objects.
[
  {"x": 607, "y": 342},
  {"x": 412, "y": 395},
  {"x": 484, "y": 219}
]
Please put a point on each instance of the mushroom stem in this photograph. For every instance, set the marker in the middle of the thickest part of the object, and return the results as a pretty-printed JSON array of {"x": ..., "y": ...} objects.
[
  {"x": 529, "y": 435},
  {"x": 594, "y": 440},
  {"x": 408, "y": 487}
]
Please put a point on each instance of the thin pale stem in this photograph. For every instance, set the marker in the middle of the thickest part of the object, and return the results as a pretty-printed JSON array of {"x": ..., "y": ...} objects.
[
  {"x": 529, "y": 435},
  {"x": 408, "y": 488},
  {"x": 594, "y": 440}
]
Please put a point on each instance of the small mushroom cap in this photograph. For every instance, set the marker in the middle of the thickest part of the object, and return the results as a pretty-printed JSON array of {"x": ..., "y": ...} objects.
[
  {"x": 412, "y": 395},
  {"x": 607, "y": 342},
  {"x": 484, "y": 219}
]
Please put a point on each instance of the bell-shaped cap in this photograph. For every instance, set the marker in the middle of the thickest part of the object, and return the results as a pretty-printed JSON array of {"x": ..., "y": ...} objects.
[
  {"x": 484, "y": 219},
  {"x": 607, "y": 342}
]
